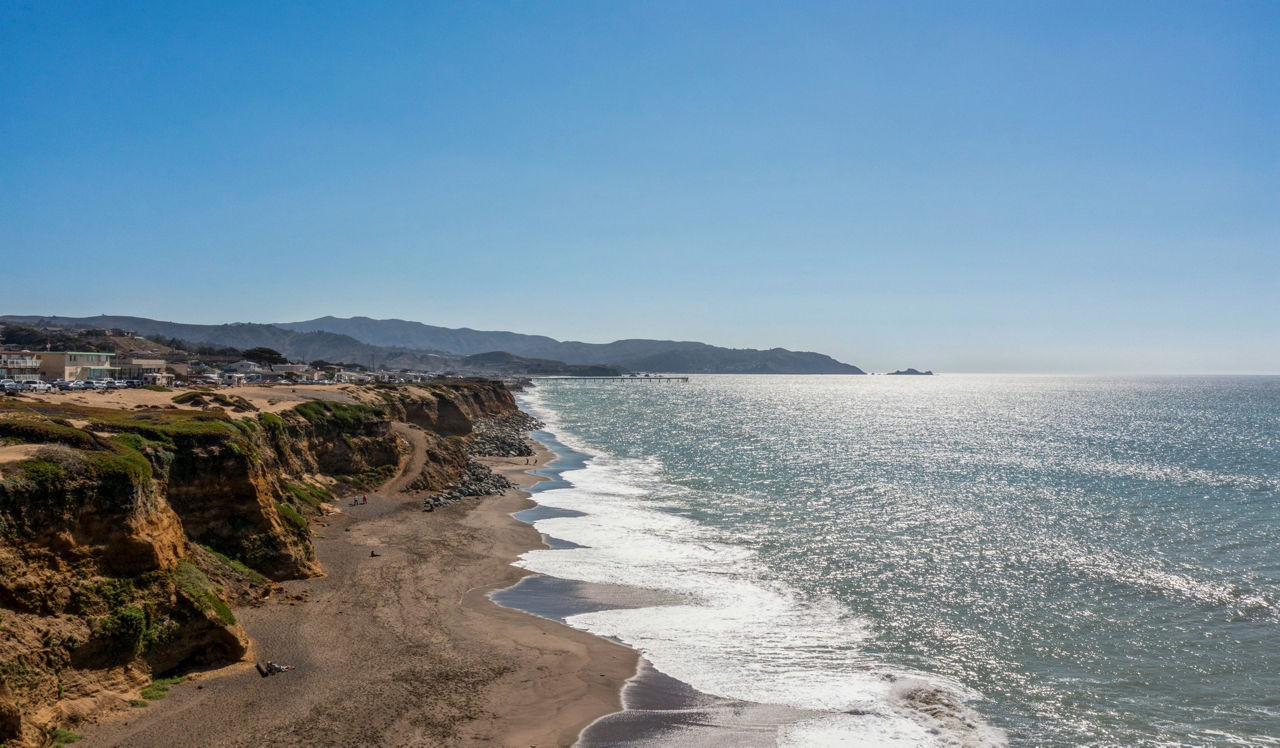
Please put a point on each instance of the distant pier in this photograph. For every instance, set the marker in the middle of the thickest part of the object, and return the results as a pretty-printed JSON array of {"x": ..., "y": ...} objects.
[{"x": 620, "y": 379}]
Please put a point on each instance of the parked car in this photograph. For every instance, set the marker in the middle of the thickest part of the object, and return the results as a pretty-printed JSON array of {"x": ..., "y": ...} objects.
[
  {"x": 133, "y": 384},
  {"x": 36, "y": 385},
  {"x": 60, "y": 384},
  {"x": 8, "y": 385}
]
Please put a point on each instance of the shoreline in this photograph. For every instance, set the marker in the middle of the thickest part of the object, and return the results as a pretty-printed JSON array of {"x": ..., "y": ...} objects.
[{"x": 405, "y": 648}]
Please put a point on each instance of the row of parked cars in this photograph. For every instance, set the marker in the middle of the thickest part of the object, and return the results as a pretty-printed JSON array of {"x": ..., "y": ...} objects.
[{"x": 8, "y": 385}]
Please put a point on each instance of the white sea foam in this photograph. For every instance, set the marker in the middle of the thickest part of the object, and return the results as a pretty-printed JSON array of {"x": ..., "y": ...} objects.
[{"x": 738, "y": 634}]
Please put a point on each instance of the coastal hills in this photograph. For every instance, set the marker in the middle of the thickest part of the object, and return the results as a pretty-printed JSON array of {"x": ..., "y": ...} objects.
[{"x": 393, "y": 343}]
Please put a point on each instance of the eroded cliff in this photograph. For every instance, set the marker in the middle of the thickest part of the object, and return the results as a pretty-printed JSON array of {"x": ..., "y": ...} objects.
[{"x": 123, "y": 533}]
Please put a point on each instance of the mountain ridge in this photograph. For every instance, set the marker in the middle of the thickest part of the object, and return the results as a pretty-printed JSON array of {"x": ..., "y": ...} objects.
[
  {"x": 630, "y": 353},
  {"x": 406, "y": 344}
]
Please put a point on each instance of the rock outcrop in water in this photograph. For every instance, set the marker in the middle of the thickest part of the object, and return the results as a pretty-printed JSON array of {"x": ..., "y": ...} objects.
[{"x": 123, "y": 534}]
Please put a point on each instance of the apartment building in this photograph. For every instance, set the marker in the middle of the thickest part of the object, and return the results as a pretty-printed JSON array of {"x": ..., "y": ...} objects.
[
  {"x": 73, "y": 365},
  {"x": 20, "y": 367}
]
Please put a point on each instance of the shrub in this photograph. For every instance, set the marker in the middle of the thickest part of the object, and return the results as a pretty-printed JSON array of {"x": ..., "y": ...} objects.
[
  {"x": 48, "y": 476},
  {"x": 60, "y": 736},
  {"x": 123, "y": 630}
]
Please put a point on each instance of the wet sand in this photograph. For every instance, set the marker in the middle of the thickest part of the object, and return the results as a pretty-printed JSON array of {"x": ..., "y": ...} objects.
[{"x": 401, "y": 649}]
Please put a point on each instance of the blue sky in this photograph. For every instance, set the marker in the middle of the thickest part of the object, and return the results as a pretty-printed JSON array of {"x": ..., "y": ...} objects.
[{"x": 1010, "y": 186}]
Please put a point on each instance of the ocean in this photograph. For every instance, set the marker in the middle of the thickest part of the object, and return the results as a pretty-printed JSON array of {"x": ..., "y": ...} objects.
[{"x": 946, "y": 560}]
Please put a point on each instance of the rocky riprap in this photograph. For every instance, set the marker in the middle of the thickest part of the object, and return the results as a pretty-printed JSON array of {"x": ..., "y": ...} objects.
[
  {"x": 478, "y": 480},
  {"x": 504, "y": 436}
]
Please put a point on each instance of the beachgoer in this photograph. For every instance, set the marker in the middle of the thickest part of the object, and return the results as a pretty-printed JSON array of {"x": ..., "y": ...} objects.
[{"x": 365, "y": 501}]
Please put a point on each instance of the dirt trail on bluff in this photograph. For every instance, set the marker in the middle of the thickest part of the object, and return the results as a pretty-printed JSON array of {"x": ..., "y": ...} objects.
[{"x": 413, "y": 465}]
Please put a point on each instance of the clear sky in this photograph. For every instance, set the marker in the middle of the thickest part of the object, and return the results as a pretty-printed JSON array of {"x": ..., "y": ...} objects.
[{"x": 1010, "y": 186}]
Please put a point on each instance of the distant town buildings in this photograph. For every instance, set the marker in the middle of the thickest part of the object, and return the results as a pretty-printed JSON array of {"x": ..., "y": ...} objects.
[
  {"x": 20, "y": 367},
  {"x": 72, "y": 365}
]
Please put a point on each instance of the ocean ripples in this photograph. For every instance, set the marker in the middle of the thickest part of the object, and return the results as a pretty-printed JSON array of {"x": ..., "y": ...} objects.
[{"x": 1095, "y": 557}]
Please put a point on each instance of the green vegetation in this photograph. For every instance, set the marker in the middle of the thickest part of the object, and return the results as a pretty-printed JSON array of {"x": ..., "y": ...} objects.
[
  {"x": 312, "y": 496},
  {"x": 57, "y": 479},
  {"x": 349, "y": 416},
  {"x": 32, "y": 431},
  {"x": 273, "y": 423},
  {"x": 45, "y": 475},
  {"x": 161, "y": 631},
  {"x": 265, "y": 356},
  {"x": 237, "y": 566},
  {"x": 197, "y": 588},
  {"x": 123, "y": 630},
  {"x": 60, "y": 736},
  {"x": 371, "y": 478},
  {"x": 159, "y": 687},
  {"x": 139, "y": 703},
  {"x": 202, "y": 397},
  {"x": 156, "y": 388},
  {"x": 292, "y": 515}
]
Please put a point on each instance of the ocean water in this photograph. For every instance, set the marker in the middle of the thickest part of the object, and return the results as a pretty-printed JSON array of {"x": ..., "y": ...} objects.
[{"x": 940, "y": 560}]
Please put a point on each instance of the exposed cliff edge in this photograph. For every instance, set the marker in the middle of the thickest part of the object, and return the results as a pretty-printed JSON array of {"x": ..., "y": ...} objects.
[{"x": 125, "y": 533}]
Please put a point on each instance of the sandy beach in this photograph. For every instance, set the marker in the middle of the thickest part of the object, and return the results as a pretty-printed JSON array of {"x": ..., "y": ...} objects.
[{"x": 402, "y": 648}]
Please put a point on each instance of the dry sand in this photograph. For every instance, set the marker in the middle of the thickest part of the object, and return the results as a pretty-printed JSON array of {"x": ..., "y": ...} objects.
[{"x": 400, "y": 649}]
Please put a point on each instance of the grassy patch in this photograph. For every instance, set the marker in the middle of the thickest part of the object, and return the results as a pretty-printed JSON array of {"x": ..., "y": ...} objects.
[
  {"x": 156, "y": 388},
  {"x": 237, "y": 566},
  {"x": 46, "y": 475},
  {"x": 273, "y": 423},
  {"x": 292, "y": 515},
  {"x": 203, "y": 398},
  {"x": 159, "y": 688},
  {"x": 139, "y": 703},
  {"x": 247, "y": 426},
  {"x": 370, "y": 479},
  {"x": 341, "y": 415},
  {"x": 197, "y": 588},
  {"x": 61, "y": 736},
  {"x": 39, "y": 431},
  {"x": 305, "y": 493}
]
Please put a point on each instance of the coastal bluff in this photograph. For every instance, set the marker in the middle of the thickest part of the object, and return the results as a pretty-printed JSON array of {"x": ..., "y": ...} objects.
[{"x": 132, "y": 524}]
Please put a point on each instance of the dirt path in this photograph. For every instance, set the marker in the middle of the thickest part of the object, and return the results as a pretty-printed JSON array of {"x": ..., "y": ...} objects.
[{"x": 412, "y": 467}]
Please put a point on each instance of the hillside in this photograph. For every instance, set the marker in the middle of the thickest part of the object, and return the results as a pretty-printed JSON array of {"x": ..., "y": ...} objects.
[
  {"x": 633, "y": 354},
  {"x": 298, "y": 346},
  {"x": 398, "y": 344}
]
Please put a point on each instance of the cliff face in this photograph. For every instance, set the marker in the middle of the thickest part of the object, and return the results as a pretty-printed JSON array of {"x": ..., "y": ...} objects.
[{"x": 112, "y": 530}]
